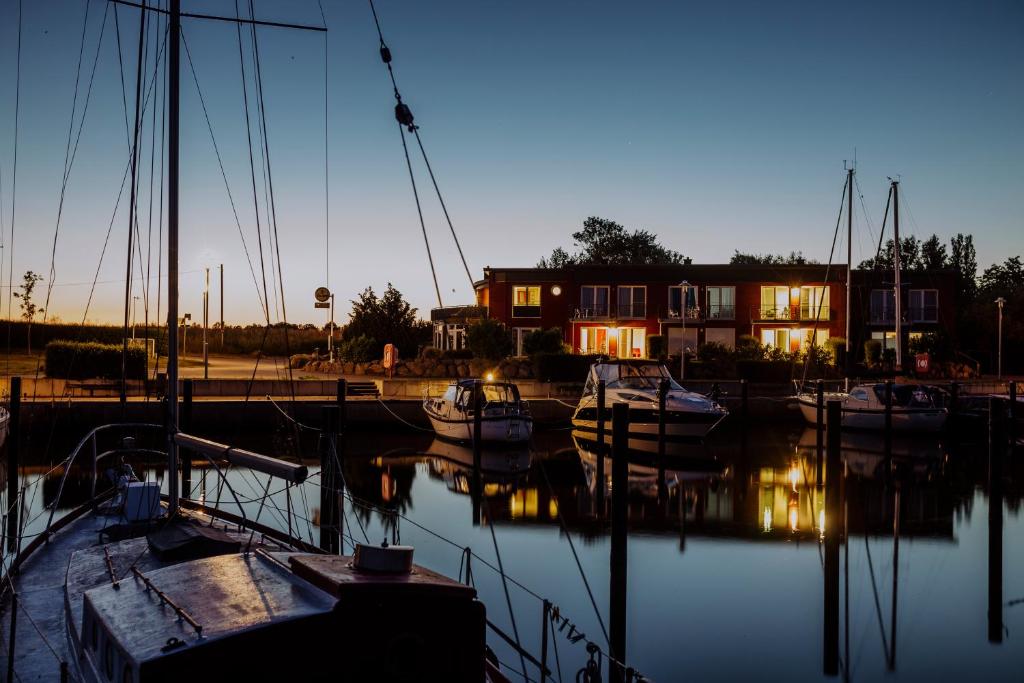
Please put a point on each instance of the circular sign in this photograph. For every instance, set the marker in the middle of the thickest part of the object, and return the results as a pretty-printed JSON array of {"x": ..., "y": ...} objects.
[{"x": 322, "y": 294}]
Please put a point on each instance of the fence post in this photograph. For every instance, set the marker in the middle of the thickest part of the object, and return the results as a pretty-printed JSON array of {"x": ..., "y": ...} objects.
[
  {"x": 620, "y": 489},
  {"x": 13, "y": 448}
]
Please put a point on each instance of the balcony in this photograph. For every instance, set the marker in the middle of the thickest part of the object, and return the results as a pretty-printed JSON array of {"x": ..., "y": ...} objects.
[
  {"x": 597, "y": 312},
  {"x": 456, "y": 314},
  {"x": 917, "y": 314},
  {"x": 721, "y": 312},
  {"x": 694, "y": 314}
]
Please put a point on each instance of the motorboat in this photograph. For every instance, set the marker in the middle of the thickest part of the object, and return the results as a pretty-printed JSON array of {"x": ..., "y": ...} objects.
[
  {"x": 504, "y": 416},
  {"x": 688, "y": 415},
  {"x": 915, "y": 407}
]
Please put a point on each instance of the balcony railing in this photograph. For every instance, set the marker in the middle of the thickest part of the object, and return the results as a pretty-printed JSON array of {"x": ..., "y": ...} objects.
[
  {"x": 599, "y": 312},
  {"x": 916, "y": 314},
  {"x": 791, "y": 313},
  {"x": 721, "y": 312},
  {"x": 458, "y": 313},
  {"x": 525, "y": 311},
  {"x": 693, "y": 314}
]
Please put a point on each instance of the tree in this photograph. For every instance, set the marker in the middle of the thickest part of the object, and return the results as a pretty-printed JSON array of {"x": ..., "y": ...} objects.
[
  {"x": 386, "y": 319},
  {"x": 490, "y": 339},
  {"x": 910, "y": 256},
  {"x": 606, "y": 243},
  {"x": 964, "y": 260},
  {"x": 1005, "y": 280},
  {"x": 795, "y": 258},
  {"x": 933, "y": 254},
  {"x": 28, "y": 307}
]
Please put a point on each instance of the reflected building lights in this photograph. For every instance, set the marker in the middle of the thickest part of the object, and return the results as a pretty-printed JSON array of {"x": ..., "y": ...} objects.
[{"x": 767, "y": 523}]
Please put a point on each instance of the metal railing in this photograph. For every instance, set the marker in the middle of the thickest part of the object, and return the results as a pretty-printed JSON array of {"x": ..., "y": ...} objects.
[
  {"x": 595, "y": 312},
  {"x": 790, "y": 313},
  {"x": 915, "y": 314}
]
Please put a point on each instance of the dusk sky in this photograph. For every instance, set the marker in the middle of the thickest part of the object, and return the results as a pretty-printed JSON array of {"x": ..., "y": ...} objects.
[{"x": 718, "y": 126}]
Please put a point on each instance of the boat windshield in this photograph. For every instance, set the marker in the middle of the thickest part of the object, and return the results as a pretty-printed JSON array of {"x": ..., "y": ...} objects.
[
  {"x": 500, "y": 393},
  {"x": 641, "y": 376},
  {"x": 907, "y": 395}
]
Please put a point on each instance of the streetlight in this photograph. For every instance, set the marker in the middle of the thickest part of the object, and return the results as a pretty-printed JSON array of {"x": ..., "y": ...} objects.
[
  {"x": 999, "y": 371},
  {"x": 206, "y": 325},
  {"x": 684, "y": 287}
]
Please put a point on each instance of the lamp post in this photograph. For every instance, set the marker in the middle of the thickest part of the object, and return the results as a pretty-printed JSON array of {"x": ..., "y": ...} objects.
[
  {"x": 684, "y": 287},
  {"x": 999, "y": 364},
  {"x": 206, "y": 325},
  {"x": 184, "y": 334}
]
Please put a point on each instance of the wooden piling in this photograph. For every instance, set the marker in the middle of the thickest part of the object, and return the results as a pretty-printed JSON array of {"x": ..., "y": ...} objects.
[
  {"x": 819, "y": 453},
  {"x": 341, "y": 401},
  {"x": 888, "y": 425},
  {"x": 601, "y": 450},
  {"x": 996, "y": 442},
  {"x": 185, "y": 424},
  {"x": 13, "y": 451},
  {"x": 620, "y": 489},
  {"x": 330, "y": 461},
  {"x": 478, "y": 428},
  {"x": 743, "y": 396},
  {"x": 1011, "y": 427},
  {"x": 830, "y": 650}
]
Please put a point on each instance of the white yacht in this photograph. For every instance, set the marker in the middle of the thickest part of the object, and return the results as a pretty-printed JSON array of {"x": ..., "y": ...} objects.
[
  {"x": 689, "y": 415},
  {"x": 505, "y": 418},
  {"x": 915, "y": 407}
]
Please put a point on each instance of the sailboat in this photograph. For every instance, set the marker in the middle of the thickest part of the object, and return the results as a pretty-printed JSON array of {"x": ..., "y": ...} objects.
[{"x": 134, "y": 586}]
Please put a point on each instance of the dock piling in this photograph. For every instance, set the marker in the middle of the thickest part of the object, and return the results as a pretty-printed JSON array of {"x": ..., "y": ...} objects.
[
  {"x": 888, "y": 424},
  {"x": 13, "y": 449},
  {"x": 600, "y": 449},
  {"x": 832, "y": 532},
  {"x": 1011, "y": 427},
  {"x": 996, "y": 442},
  {"x": 342, "y": 394},
  {"x": 819, "y": 393},
  {"x": 330, "y": 461},
  {"x": 620, "y": 489},
  {"x": 478, "y": 428},
  {"x": 743, "y": 396}
]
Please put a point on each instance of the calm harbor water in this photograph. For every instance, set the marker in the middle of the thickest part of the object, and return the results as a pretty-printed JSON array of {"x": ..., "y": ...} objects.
[{"x": 725, "y": 564}]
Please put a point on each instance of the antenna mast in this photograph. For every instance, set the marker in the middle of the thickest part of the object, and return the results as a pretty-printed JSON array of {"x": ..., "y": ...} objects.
[
  {"x": 173, "y": 99},
  {"x": 849, "y": 265},
  {"x": 896, "y": 269}
]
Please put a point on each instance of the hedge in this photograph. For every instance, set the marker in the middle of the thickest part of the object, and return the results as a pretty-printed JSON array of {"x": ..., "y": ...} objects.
[
  {"x": 78, "y": 360},
  {"x": 562, "y": 367}
]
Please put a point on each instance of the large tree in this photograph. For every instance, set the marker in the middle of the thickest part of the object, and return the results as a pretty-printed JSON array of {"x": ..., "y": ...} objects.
[
  {"x": 386, "y": 319},
  {"x": 607, "y": 243}
]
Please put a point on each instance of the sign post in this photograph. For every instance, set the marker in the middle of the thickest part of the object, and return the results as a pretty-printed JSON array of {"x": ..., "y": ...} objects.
[{"x": 325, "y": 299}]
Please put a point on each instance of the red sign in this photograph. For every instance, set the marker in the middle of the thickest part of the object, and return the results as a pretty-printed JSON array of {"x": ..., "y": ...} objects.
[
  {"x": 390, "y": 356},
  {"x": 922, "y": 363}
]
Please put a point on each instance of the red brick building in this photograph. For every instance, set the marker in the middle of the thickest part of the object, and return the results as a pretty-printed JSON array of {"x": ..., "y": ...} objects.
[{"x": 615, "y": 309}]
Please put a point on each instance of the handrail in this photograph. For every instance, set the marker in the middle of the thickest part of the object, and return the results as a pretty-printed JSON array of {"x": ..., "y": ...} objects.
[{"x": 70, "y": 460}]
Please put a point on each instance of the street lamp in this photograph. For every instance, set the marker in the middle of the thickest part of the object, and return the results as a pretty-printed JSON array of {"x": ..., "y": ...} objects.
[
  {"x": 684, "y": 287},
  {"x": 999, "y": 367}
]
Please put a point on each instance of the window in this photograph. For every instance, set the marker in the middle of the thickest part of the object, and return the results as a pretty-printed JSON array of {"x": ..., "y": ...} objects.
[
  {"x": 593, "y": 301},
  {"x": 594, "y": 340},
  {"x": 774, "y": 303},
  {"x": 883, "y": 306},
  {"x": 519, "y": 334},
  {"x": 859, "y": 395},
  {"x": 924, "y": 305},
  {"x": 631, "y": 342},
  {"x": 814, "y": 303},
  {"x": 526, "y": 301},
  {"x": 888, "y": 339},
  {"x": 676, "y": 304},
  {"x": 721, "y": 303},
  {"x": 632, "y": 302},
  {"x": 779, "y": 338}
]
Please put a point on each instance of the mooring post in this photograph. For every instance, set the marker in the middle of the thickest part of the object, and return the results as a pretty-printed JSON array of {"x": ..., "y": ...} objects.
[
  {"x": 342, "y": 407},
  {"x": 954, "y": 397},
  {"x": 888, "y": 425},
  {"x": 995, "y": 521},
  {"x": 478, "y": 428},
  {"x": 601, "y": 450},
  {"x": 330, "y": 461},
  {"x": 64, "y": 672},
  {"x": 819, "y": 393},
  {"x": 743, "y": 395},
  {"x": 830, "y": 656},
  {"x": 544, "y": 642},
  {"x": 620, "y": 489},
  {"x": 185, "y": 424},
  {"x": 662, "y": 401},
  {"x": 1011, "y": 427},
  {"x": 13, "y": 448}
]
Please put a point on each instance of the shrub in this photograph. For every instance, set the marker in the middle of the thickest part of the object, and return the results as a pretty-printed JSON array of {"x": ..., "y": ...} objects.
[
  {"x": 430, "y": 353},
  {"x": 87, "y": 360},
  {"x": 749, "y": 348},
  {"x": 935, "y": 344},
  {"x": 562, "y": 367},
  {"x": 490, "y": 339},
  {"x": 657, "y": 346},
  {"x": 456, "y": 354},
  {"x": 543, "y": 341},
  {"x": 713, "y": 351},
  {"x": 872, "y": 352},
  {"x": 357, "y": 349},
  {"x": 836, "y": 346}
]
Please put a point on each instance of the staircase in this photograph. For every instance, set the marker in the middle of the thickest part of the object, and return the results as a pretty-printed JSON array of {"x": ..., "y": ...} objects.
[{"x": 362, "y": 389}]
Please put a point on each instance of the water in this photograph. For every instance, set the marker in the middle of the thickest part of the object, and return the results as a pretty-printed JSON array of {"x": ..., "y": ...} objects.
[{"x": 734, "y": 592}]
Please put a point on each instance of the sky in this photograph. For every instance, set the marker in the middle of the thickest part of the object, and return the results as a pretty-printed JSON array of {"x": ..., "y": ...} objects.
[{"x": 718, "y": 126}]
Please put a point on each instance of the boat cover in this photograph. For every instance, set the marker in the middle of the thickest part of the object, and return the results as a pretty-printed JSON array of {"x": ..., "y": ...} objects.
[{"x": 187, "y": 540}]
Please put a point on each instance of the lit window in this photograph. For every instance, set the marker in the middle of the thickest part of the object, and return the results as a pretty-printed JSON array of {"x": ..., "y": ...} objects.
[
  {"x": 526, "y": 301},
  {"x": 814, "y": 303}
]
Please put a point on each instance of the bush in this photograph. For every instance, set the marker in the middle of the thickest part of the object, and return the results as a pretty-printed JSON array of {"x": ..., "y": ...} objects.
[
  {"x": 562, "y": 367},
  {"x": 765, "y": 370},
  {"x": 749, "y": 348},
  {"x": 358, "y": 349},
  {"x": 456, "y": 354},
  {"x": 489, "y": 339},
  {"x": 836, "y": 347},
  {"x": 543, "y": 341},
  {"x": 657, "y": 346},
  {"x": 935, "y": 344},
  {"x": 88, "y": 360},
  {"x": 713, "y": 351},
  {"x": 872, "y": 352},
  {"x": 430, "y": 353}
]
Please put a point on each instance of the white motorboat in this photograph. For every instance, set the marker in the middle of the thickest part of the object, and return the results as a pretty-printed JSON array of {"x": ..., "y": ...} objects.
[
  {"x": 688, "y": 415},
  {"x": 504, "y": 417},
  {"x": 915, "y": 407}
]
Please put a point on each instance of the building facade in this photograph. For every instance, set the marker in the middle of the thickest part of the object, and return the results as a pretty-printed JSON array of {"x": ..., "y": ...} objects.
[{"x": 614, "y": 310}]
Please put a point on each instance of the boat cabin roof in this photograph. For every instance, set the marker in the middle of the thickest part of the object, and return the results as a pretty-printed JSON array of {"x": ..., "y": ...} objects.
[
  {"x": 470, "y": 383},
  {"x": 227, "y": 595}
]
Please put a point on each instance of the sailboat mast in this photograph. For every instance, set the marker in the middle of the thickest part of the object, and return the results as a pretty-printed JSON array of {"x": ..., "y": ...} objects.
[
  {"x": 849, "y": 264},
  {"x": 174, "y": 73},
  {"x": 896, "y": 270}
]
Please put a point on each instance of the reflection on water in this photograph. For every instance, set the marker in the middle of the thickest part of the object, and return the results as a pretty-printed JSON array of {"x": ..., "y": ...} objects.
[{"x": 727, "y": 545}]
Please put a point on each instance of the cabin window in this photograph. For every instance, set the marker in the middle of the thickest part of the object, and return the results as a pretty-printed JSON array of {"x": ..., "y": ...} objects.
[
  {"x": 859, "y": 394},
  {"x": 449, "y": 394},
  {"x": 526, "y": 301}
]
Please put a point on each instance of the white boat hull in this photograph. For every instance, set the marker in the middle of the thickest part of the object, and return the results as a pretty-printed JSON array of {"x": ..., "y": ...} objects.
[
  {"x": 508, "y": 429},
  {"x": 903, "y": 419}
]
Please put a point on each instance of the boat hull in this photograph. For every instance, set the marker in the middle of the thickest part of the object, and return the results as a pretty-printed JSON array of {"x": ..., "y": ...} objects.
[
  {"x": 504, "y": 429},
  {"x": 643, "y": 425},
  {"x": 903, "y": 419}
]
